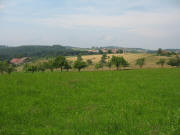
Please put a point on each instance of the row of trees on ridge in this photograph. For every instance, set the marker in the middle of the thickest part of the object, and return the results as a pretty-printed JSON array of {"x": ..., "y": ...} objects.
[{"x": 60, "y": 62}]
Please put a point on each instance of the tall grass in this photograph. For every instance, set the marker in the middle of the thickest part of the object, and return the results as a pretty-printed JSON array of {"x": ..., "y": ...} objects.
[{"x": 136, "y": 102}]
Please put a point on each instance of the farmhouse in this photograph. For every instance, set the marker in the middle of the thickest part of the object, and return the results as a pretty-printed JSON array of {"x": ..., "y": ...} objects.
[
  {"x": 104, "y": 50},
  {"x": 114, "y": 50},
  {"x": 93, "y": 51},
  {"x": 19, "y": 61},
  {"x": 164, "y": 52}
]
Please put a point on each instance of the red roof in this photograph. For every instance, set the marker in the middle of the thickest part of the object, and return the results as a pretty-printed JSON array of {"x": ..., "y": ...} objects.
[{"x": 17, "y": 61}]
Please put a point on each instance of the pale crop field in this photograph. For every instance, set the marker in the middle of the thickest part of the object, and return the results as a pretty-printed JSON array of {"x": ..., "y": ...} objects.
[{"x": 150, "y": 60}]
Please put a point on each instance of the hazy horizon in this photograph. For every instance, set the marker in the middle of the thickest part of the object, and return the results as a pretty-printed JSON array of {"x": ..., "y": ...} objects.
[{"x": 149, "y": 24}]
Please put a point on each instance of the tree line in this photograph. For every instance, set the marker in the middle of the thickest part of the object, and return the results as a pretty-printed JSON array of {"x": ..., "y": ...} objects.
[
  {"x": 7, "y": 53},
  {"x": 61, "y": 63}
]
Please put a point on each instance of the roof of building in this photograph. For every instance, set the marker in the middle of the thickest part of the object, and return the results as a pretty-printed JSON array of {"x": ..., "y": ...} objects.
[{"x": 17, "y": 60}]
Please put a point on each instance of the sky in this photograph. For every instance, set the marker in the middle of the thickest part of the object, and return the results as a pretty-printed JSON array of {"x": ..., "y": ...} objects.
[{"x": 148, "y": 24}]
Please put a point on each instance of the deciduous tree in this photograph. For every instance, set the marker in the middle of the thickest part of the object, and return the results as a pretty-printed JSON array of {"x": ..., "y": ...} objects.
[
  {"x": 67, "y": 65},
  {"x": 119, "y": 62},
  {"x": 59, "y": 62},
  {"x": 140, "y": 62},
  {"x": 79, "y": 64}
]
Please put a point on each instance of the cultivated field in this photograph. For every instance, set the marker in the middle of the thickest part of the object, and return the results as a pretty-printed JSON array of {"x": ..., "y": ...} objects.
[{"x": 133, "y": 102}]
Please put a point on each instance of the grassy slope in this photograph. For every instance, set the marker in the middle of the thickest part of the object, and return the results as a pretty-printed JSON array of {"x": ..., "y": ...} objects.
[
  {"x": 150, "y": 59},
  {"x": 136, "y": 102},
  {"x": 150, "y": 62}
]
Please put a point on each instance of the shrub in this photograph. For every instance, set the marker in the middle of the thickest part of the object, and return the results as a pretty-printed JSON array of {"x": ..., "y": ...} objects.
[
  {"x": 30, "y": 68},
  {"x": 174, "y": 61},
  {"x": 89, "y": 62},
  {"x": 6, "y": 67},
  {"x": 109, "y": 64},
  {"x": 161, "y": 62},
  {"x": 98, "y": 66}
]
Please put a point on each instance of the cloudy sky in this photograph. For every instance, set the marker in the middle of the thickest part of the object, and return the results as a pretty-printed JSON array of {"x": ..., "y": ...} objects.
[{"x": 147, "y": 24}]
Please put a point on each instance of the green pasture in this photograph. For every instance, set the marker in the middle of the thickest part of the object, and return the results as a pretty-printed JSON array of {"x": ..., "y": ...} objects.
[{"x": 128, "y": 102}]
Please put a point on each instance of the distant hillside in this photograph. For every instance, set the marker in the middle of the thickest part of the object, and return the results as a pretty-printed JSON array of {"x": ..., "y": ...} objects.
[
  {"x": 2, "y": 46},
  {"x": 173, "y": 50},
  {"x": 37, "y": 51},
  {"x": 7, "y": 53},
  {"x": 140, "y": 50},
  {"x": 132, "y": 50}
]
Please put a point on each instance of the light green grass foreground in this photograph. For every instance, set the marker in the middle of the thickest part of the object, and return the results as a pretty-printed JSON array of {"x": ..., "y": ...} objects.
[{"x": 135, "y": 102}]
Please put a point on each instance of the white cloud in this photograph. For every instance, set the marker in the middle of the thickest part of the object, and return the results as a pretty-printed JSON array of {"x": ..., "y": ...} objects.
[
  {"x": 128, "y": 20},
  {"x": 107, "y": 38},
  {"x": 148, "y": 24},
  {"x": 1, "y": 6},
  {"x": 135, "y": 22}
]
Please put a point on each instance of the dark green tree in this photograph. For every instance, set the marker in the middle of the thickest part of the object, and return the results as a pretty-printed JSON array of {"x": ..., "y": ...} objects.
[
  {"x": 103, "y": 60},
  {"x": 59, "y": 62},
  {"x": 140, "y": 62},
  {"x": 67, "y": 65},
  {"x": 159, "y": 52},
  {"x": 119, "y": 62},
  {"x": 79, "y": 64}
]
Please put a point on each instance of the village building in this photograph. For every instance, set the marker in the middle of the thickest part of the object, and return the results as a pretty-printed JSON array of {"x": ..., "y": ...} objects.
[
  {"x": 164, "y": 52},
  {"x": 104, "y": 50},
  {"x": 93, "y": 51},
  {"x": 19, "y": 61},
  {"x": 114, "y": 51}
]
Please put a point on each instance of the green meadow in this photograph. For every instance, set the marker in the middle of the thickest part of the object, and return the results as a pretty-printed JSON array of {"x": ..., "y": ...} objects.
[{"x": 128, "y": 102}]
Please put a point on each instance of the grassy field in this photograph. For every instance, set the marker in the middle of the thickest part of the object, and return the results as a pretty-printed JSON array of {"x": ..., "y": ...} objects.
[{"x": 131, "y": 102}]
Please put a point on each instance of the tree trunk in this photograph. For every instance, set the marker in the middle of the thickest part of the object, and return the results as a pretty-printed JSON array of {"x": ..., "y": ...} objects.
[{"x": 61, "y": 69}]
